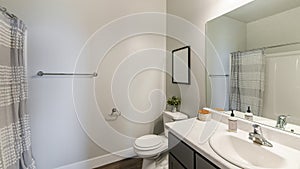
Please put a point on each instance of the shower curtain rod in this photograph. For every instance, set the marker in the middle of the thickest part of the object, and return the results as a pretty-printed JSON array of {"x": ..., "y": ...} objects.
[
  {"x": 5, "y": 12},
  {"x": 269, "y": 47}
]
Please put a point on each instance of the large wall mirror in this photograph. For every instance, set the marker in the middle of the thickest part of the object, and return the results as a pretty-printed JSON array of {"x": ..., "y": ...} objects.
[
  {"x": 253, "y": 59},
  {"x": 181, "y": 65}
]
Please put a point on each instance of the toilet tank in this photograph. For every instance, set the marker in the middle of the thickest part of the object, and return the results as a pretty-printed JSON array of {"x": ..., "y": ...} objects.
[{"x": 170, "y": 117}]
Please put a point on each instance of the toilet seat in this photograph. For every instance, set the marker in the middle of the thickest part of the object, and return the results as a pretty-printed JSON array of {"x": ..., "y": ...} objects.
[
  {"x": 153, "y": 151},
  {"x": 151, "y": 147},
  {"x": 148, "y": 142}
]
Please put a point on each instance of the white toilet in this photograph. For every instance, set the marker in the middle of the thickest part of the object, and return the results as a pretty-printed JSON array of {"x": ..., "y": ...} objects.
[{"x": 150, "y": 147}]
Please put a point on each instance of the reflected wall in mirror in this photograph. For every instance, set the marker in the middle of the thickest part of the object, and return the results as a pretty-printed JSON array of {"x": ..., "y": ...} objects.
[
  {"x": 258, "y": 45},
  {"x": 181, "y": 65}
]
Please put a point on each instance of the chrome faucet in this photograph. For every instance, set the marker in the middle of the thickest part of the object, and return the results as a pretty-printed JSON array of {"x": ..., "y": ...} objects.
[
  {"x": 257, "y": 137},
  {"x": 282, "y": 121}
]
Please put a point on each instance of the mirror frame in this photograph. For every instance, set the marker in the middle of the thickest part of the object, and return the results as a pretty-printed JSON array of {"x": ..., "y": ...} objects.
[{"x": 188, "y": 82}]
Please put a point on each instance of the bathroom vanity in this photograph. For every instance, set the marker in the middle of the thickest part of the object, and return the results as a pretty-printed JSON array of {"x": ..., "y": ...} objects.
[
  {"x": 182, "y": 156},
  {"x": 186, "y": 151},
  {"x": 190, "y": 146}
]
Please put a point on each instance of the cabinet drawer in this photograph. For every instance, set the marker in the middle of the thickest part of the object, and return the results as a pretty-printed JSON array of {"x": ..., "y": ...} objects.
[
  {"x": 181, "y": 151},
  {"x": 203, "y": 163},
  {"x": 174, "y": 164}
]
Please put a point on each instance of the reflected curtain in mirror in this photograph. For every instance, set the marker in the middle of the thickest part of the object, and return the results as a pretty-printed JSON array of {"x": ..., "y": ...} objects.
[{"x": 247, "y": 81}]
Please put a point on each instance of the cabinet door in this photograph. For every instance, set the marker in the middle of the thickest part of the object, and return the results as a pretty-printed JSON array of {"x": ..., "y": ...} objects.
[
  {"x": 202, "y": 163},
  {"x": 174, "y": 164},
  {"x": 181, "y": 151}
]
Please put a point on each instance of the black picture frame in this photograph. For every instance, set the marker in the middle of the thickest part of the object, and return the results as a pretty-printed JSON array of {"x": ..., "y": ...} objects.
[{"x": 187, "y": 67}]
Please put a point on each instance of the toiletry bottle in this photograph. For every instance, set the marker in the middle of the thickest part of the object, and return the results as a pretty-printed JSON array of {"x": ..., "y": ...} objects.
[
  {"x": 249, "y": 115},
  {"x": 232, "y": 123}
]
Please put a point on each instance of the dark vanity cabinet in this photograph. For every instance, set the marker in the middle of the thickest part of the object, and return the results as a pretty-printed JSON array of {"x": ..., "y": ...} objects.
[
  {"x": 181, "y": 156},
  {"x": 174, "y": 164}
]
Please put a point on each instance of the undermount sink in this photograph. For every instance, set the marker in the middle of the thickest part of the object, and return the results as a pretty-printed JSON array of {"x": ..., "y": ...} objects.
[{"x": 242, "y": 152}]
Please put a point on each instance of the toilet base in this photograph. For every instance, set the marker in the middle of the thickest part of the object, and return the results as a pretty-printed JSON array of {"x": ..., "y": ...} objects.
[
  {"x": 148, "y": 164},
  {"x": 159, "y": 163}
]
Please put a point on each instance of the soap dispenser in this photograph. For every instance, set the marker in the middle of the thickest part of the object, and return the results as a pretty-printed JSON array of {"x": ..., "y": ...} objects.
[
  {"x": 232, "y": 123},
  {"x": 249, "y": 115}
]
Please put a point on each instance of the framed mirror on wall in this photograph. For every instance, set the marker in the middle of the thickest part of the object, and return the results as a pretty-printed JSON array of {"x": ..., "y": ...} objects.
[
  {"x": 259, "y": 47},
  {"x": 181, "y": 65}
]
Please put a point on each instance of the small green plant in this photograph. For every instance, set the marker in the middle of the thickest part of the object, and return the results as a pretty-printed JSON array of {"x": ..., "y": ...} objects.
[{"x": 174, "y": 101}]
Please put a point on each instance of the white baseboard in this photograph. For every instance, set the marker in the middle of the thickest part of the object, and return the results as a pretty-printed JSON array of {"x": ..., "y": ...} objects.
[{"x": 101, "y": 160}]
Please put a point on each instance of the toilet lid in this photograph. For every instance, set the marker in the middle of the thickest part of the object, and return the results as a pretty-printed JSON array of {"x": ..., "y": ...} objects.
[{"x": 148, "y": 142}]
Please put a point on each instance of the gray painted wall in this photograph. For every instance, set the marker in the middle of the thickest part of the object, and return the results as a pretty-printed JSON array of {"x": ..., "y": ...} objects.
[
  {"x": 57, "y": 30},
  {"x": 196, "y": 13}
]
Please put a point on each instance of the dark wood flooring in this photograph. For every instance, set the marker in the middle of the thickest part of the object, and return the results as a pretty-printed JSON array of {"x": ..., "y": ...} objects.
[{"x": 131, "y": 163}]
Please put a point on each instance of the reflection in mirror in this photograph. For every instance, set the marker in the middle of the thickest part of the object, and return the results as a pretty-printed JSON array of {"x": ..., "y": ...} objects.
[
  {"x": 258, "y": 46},
  {"x": 181, "y": 65}
]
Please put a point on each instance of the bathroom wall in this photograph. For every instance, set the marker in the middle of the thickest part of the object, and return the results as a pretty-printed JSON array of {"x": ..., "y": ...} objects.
[
  {"x": 196, "y": 13},
  {"x": 57, "y": 30},
  {"x": 281, "y": 82},
  {"x": 272, "y": 30},
  {"x": 220, "y": 43},
  {"x": 276, "y": 29},
  {"x": 190, "y": 94},
  {"x": 281, "y": 63}
]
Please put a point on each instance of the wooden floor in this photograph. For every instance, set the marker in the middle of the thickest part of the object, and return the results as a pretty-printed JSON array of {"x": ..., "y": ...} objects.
[{"x": 131, "y": 163}]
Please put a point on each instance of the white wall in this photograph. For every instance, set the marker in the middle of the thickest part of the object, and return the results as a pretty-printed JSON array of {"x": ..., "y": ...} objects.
[
  {"x": 282, "y": 92},
  {"x": 140, "y": 87},
  {"x": 276, "y": 29},
  {"x": 225, "y": 35},
  {"x": 197, "y": 13},
  {"x": 220, "y": 43},
  {"x": 57, "y": 30},
  {"x": 282, "y": 70}
]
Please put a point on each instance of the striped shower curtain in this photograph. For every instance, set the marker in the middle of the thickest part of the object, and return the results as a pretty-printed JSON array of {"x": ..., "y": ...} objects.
[
  {"x": 247, "y": 81},
  {"x": 15, "y": 136}
]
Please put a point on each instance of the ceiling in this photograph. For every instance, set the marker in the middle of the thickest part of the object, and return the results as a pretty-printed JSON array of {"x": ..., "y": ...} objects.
[{"x": 259, "y": 9}]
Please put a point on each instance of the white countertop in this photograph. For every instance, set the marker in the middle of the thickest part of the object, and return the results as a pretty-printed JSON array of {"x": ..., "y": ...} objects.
[{"x": 196, "y": 134}]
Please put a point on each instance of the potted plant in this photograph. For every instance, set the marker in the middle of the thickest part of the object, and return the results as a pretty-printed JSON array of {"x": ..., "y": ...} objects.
[{"x": 174, "y": 102}]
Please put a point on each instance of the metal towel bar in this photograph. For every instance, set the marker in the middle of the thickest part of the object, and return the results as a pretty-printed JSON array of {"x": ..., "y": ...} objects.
[
  {"x": 218, "y": 75},
  {"x": 41, "y": 73}
]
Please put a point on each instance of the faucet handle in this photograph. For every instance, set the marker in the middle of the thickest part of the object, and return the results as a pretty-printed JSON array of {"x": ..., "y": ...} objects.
[
  {"x": 283, "y": 116},
  {"x": 255, "y": 125},
  {"x": 257, "y": 128},
  {"x": 257, "y": 136},
  {"x": 282, "y": 120}
]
